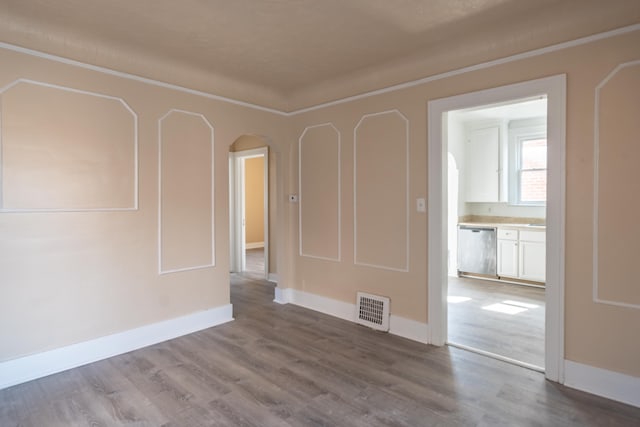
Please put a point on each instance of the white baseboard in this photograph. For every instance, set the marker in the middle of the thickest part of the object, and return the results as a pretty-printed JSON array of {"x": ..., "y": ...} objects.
[
  {"x": 601, "y": 382},
  {"x": 400, "y": 326},
  {"x": 40, "y": 365},
  {"x": 332, "y": 307},
  {"x": 283, "y": 296},
  {"x": 273, "y": 277},
  {"x": 410, "y": 329},
  {"x": 254, "y": 245}
]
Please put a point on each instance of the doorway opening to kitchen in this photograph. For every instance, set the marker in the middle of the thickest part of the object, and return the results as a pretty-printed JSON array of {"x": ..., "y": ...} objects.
[
  {"x": 489, "y": 148},
  {"x": 496, "y": 190}
]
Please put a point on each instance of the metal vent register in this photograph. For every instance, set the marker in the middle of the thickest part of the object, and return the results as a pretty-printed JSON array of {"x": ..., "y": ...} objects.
[{"x": 373, "y": 311}]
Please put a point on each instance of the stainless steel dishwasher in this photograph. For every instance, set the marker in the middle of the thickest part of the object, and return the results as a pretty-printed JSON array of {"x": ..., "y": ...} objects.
[{"x": 477, "y": 250}]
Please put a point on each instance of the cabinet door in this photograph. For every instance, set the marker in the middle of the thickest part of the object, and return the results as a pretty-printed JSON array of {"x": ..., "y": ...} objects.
[
  {"x": 532, "y": 261},
  {"x": 508, "y": 258},
  {"x": 483, "y": 164}
]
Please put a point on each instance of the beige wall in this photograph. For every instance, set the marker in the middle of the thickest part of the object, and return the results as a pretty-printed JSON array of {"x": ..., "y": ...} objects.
[
  {"x": 69, "y": 276},
  {"x": 66, "y": 277},
  {"x": 254, "y": 199},
  {"x": 597, "y": 334}
]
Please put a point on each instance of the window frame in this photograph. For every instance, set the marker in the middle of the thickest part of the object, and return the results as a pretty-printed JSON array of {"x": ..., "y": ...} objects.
[{"x": 519, "y": 132}]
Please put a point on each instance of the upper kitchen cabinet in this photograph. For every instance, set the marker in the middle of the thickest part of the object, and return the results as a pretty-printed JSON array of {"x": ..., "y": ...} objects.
[{"x": 483, "y": 164}]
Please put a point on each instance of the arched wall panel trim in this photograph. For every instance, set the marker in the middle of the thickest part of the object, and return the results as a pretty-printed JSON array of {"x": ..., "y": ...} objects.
[
  {"x": 66, "y": 182},
  {"x": 320, "y": 229},
  {"x": 374, "y": 238},
  {"x": 598, "y": 207},
  {"x": 185, "y": 200}
]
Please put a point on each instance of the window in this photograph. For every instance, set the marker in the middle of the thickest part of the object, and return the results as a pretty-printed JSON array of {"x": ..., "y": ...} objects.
[
  {"x": 528, "y": 164},
  {"x": 532, "y": 180}
]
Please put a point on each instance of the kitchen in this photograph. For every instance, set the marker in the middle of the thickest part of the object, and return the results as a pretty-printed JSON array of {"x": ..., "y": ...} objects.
[{"x": 496, "y": 230}]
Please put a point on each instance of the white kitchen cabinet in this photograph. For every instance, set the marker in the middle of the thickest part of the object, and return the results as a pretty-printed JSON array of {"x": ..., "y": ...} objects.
[
  {"x": 522, "y": 254},
  {"x": 483, "y": 165},
  {"x": 532, "y": 256},
  {"x": 508, "y": 253}
]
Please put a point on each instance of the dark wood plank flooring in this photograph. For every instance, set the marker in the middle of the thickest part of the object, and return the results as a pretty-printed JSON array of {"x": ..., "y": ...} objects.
[
  {"x": 282, "y": 365},
  {"x": 254, "y": 265},
  {"x": 519, "y": 336}
]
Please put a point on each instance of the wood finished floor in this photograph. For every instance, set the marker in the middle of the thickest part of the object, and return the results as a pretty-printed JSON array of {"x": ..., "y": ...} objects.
[
  {"x": 282, "y": 365},
  {"x": 519, "y": 336},
  {"x": 254, "y": 264}
]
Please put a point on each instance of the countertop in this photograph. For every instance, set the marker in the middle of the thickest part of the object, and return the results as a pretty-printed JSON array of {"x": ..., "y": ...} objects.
[{"x": 509, "y": 226}]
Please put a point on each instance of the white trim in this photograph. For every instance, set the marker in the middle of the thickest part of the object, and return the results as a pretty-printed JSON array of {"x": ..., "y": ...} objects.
[
  {"x": 265, "y": 212},
  {"x": 410, "y": 329},
  {"x": 254, "y": 245},
  {"x": 40, "y": 365},
  {"x": 517, "y": 135},
  {"x": 340, "y": 309},
  {"x": 512, "y": 58},
  {"x": 601, "y": 382},
  {"x": 152, "y": 82},
  {"x": 400, "y": 326},
  {"x": 283, "y": 295},
  {"x": 471, "y": 68},
  {"x": 497, "y": 357},
  {"x": 273, "y": 278},
  {"x": 404, "y": 269},
  {"x": 232, "y": 209},
  {"x": 238, "y": 261},
  {"x": 213, "y": 223},
  {"x": 82, "y": 92},
  {"x": 596, "y": 187},
  {"x": 555, "y": 89},
  {"x": 339, "y": 192}
]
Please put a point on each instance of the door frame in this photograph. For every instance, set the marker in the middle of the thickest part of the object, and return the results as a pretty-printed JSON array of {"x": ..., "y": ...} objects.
[
  {"x": 554, "y": 88},
  {"x": 237, "y": 229}
]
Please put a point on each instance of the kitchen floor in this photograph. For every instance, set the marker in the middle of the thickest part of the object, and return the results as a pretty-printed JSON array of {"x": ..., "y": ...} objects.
[{"x": 497, "y": 317}]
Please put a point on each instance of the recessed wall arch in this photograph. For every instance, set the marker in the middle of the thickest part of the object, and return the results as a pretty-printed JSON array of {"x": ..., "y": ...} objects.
[
  {"x": 186, "y": 192},
  {"x": 381, "y": 191},
  {"x": 617, "y": 102},
  {"x": 319, "y": 211}
]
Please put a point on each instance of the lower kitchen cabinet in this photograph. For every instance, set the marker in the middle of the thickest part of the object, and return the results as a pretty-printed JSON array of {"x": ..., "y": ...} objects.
[
  {"x": 507, "y": 253},
  {"x": 532, "y": 255},
  {"x": 522, "y": 254}
]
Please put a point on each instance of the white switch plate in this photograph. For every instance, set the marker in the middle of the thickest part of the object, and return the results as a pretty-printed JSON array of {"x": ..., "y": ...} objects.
[
  {"x": 421, "y": 205},
  {"x": 293, "y": 198}
]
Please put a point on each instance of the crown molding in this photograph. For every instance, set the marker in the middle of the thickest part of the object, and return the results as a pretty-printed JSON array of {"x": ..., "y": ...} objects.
[{"x": 294, "y": 112}]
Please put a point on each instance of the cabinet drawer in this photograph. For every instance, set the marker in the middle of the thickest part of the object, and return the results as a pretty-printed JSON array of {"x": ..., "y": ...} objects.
[
  {"x": 533, "y": 236},
  {"x": 505, "y": 234}
]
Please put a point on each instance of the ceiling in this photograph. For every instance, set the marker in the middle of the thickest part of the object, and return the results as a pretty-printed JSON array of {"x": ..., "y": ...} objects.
[{"x": 290, "y": 54}]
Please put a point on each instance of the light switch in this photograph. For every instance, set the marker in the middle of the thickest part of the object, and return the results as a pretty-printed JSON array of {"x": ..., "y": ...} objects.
[
  {"x": 421, "y": 205},
  {"x": 293, "y": 198}
]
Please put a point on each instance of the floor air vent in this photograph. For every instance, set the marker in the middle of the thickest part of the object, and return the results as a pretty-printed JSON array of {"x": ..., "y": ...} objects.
[{"x": 373, "y": 311}]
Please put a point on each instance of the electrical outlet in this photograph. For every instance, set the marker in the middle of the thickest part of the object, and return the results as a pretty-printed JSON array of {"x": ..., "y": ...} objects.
[{"x": 293, "y": 198}]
